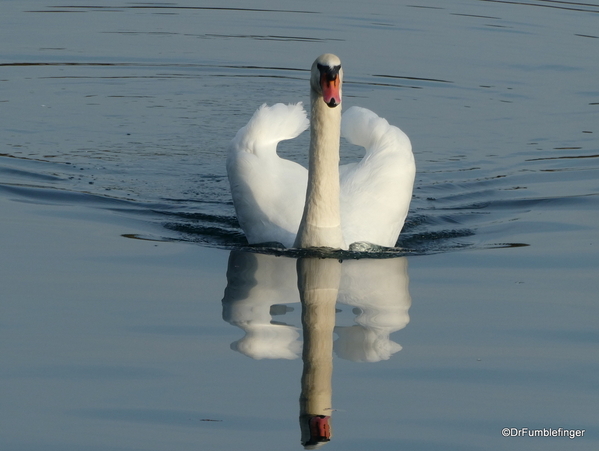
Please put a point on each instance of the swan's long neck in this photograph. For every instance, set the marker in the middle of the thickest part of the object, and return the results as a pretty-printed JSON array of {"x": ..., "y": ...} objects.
[{"x": 321, "y": 221}]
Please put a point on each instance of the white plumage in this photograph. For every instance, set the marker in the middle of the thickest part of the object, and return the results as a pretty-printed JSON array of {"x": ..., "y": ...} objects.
[
  {"x": 269, "y": 192},
  {"x": 376, "y": 191}
]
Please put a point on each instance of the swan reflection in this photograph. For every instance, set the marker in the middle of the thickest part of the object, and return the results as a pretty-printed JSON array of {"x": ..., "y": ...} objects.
[
  {"x": 256, "y": 286},
  {"x": 261, "y": 290},
  {"x": 263, "y": 287},
  {"x": 318, "y": 283},
  {"x": 378, "y": 291}
]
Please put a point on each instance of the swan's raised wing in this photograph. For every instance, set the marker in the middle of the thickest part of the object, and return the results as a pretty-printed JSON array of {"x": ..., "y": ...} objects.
[
  {"x": 375, "y": 192},
  {"x": 270, "y": 125},
  {"x": 268, "y": 192}
]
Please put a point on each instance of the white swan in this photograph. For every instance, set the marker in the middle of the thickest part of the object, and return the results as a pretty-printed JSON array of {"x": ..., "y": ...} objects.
[{"x": 279, "y": 200}]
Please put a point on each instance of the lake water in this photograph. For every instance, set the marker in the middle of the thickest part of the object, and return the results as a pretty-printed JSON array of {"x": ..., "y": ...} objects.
[{"x": 132, "y": 315}]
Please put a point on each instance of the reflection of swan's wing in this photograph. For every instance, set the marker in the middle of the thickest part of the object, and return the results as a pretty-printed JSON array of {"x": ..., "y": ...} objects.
[
  {"x": 269, "y": 341},
  {"x": 375, "y": 192},
  {"x": 268, "y": 192},
  {"x": 360, "y": 344},
  {"x": 379, "y": 289},
  {"x": 255, "y": 283}
]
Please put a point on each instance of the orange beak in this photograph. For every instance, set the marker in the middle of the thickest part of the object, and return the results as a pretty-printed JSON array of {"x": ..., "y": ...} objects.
[
  {"x": 320, "y": 429},
  {"x": 330, "y": 89}
]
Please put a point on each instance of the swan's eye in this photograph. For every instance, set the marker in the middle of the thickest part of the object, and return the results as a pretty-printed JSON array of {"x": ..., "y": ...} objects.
[{"x": 331, "y": 73}]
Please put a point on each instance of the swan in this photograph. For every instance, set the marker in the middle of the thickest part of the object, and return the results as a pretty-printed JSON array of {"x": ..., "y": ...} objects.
[{"x": 278, "y": 200}]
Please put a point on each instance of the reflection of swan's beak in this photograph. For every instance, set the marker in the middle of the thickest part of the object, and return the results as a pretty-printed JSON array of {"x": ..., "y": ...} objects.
[{"x": 320, "y": 431}]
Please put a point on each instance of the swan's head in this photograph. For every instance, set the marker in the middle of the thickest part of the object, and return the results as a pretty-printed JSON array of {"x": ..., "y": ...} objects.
[{"x": 326, "y": 79}]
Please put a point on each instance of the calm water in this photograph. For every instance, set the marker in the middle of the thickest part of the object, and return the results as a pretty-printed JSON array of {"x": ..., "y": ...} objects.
[{"x": 132, "y": 318}]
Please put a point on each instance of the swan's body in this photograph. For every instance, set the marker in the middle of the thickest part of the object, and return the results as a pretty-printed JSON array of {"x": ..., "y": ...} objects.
[
  {"x": 375, "y": 192},
  {"x": 327, "y": 206},
  {"x": 268, "y": 192}
]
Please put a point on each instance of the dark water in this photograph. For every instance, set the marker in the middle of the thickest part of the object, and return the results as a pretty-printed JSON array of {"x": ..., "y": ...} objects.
[
  {"x": 117, "y": 225},
  {"x": 159, "y": 95}
]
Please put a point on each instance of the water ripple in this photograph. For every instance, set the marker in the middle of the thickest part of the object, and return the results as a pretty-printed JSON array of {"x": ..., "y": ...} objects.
[{"x": 447, "y": 215}]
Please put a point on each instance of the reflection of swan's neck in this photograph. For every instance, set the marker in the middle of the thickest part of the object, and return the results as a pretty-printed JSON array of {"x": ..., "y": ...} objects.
[
  {"x": 318, "y": 281},
  {"x": 321, "y": 222},
  {"x": 318, "y": 321}
]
